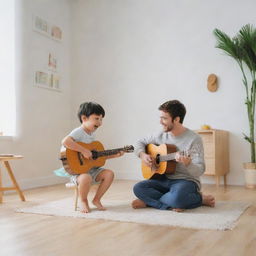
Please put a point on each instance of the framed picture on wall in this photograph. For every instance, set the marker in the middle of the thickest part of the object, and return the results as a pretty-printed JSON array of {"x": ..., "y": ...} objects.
[
  {"x": 52, "y": 62},
  {"x": 47, "y": 80},
  {"x": 47, "y": 29},
  {"x": 55, "y": 82},
  {"x": 41, "y": 26},
  {"x": 42, "y": 78},
  {"x": 56, "y": 33}
]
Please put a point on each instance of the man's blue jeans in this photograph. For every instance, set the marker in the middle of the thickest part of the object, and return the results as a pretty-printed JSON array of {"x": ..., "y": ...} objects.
[{"x": 165, "y": 193}]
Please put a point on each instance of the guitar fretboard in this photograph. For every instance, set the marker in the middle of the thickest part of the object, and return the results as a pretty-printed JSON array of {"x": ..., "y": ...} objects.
[
  {"x": 109, "y": 152},
  {"x": 171, "y": 156}
]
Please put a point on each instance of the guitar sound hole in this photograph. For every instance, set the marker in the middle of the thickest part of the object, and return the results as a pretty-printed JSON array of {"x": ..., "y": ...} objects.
[
  {"x": 94, "y": 154},
  {"x": 158, "y": 159}
]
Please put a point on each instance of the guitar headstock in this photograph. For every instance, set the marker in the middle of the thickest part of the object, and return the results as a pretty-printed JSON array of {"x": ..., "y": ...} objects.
[{"x": 128, "y": 149}]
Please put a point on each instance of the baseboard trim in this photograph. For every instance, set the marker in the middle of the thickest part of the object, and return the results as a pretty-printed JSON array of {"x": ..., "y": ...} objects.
[{"x": 40, "y": 182}]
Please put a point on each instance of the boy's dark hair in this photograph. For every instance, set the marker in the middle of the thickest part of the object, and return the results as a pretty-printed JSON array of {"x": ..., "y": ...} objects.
[
  {"x": 89, "y": 108},
  {"x": 174, "y": 108}
]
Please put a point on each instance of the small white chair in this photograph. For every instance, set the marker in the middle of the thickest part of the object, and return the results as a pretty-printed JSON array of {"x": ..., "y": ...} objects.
[{"x": 74, "y": 186}]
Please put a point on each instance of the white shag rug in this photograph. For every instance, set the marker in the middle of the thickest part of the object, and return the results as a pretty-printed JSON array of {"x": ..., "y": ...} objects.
[{"x": 223, "y": 216}]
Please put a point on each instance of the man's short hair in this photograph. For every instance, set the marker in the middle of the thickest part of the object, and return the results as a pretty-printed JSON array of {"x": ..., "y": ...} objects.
[{"x": 174, "y": 108}]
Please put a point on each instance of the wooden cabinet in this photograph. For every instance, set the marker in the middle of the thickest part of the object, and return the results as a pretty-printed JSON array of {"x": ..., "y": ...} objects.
[{"x": 216, "y": 153}]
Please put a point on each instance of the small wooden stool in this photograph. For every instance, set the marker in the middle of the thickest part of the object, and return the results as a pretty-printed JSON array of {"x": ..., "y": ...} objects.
[
  {"x": 5, "y": 159},
  {"x": 74, "y": 186}
]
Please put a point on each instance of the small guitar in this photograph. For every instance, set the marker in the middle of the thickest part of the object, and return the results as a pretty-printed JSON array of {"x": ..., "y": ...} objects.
[
  {"x": 164, "y": 160},
  {"x": 74, "y": 162}
]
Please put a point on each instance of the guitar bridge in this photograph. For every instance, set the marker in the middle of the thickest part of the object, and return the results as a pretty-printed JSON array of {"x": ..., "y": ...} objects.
[
  {"x": 154, "y": 167},
  {"x": 80, "y": 158}
]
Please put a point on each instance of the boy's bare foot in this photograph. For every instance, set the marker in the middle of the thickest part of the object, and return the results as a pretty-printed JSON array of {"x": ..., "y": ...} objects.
[
  {"x": 85, "y": 207},
  {"x": 137, "y": 204},
  {"x": 98, "y": 205},
  {"x": 208, "y": 200}
]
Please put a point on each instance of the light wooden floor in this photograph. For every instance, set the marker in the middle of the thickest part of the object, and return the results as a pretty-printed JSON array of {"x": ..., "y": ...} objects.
[{"x": 32, "y": 235}]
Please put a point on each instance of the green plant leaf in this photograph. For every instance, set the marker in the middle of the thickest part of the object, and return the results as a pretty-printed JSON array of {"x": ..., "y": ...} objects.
[
  {"x": 242, "y": 48},
  {"x": 247, "y": 138},
  {"x": 228, "y": 45},
  {"x": 247, "y": 41}
]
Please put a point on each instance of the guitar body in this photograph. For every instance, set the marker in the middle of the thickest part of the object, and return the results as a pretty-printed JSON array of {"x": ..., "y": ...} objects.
[
  {"x": 74, "y": 162},
  {"x": 161, "y": 167}
]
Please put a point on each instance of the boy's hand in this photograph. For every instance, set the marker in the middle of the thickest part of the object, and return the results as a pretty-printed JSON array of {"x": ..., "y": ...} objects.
[
  {"x": 121, "y": 153},
  {"x": 87, "y": 154},
  {"x": 147, "y": 159},
  {"x": 117, "y": 155},
  {"x": 180, "y": 158}
]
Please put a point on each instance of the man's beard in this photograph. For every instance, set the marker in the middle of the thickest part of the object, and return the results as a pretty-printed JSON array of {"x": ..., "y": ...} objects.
[{"x": 168, "y": 128}]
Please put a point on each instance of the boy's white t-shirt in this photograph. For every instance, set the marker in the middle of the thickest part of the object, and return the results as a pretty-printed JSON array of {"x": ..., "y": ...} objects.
[{"x": 80, "y": 135}]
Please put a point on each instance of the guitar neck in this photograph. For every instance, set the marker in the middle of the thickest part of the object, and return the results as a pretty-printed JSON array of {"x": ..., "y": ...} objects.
[
  {"x": 109, "y": 152},
  {"x": 171, "y": 156}
]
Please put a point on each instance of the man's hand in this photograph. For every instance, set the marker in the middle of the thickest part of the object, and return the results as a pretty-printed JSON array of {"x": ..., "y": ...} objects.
[
  {"x": 147, "y": 159},
  {"x": 181, "y": 158}
]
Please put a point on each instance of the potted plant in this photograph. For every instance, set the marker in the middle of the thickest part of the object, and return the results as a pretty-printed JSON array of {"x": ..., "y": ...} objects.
[{"x": 242, "y": 48}]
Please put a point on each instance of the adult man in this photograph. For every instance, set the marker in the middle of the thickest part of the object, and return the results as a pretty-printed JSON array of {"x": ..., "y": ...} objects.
[{"x": 180, "y": 190}]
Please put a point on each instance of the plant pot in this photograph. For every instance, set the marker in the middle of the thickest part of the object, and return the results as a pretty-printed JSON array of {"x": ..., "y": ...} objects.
[{"x": 250, "y": 175}]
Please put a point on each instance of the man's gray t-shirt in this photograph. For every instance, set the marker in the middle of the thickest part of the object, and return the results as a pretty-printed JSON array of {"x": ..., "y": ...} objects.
[{"x": 187, "y": 141}]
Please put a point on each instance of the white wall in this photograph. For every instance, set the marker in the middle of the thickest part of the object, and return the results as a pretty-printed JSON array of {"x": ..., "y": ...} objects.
[
  {"x": 43, "y": 115},
  {"x": 131, "y": 56}
]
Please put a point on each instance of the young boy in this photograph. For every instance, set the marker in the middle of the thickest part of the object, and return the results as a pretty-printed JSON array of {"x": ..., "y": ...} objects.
[{"x": 90, "y": 115}]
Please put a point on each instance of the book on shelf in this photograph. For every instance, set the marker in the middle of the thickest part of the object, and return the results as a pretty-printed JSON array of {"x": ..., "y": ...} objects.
[{"x": 6, "y": 155}]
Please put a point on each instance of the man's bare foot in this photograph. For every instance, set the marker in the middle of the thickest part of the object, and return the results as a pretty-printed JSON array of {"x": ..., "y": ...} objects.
[
  {"x": 137, "y": 204},
  {"x": 98, "y": 205},
  {"x": 208, "y": 200},
  {"x": 85, "y": 207}
]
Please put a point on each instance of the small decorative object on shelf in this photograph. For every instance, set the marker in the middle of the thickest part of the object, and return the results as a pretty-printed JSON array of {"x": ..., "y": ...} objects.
[{"x": 205, "y": 127}]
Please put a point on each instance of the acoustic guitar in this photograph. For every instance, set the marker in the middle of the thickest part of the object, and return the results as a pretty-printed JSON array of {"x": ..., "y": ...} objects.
[
  {"x": 74, "y": 162},
  {"x": 163, "y": 160}
]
